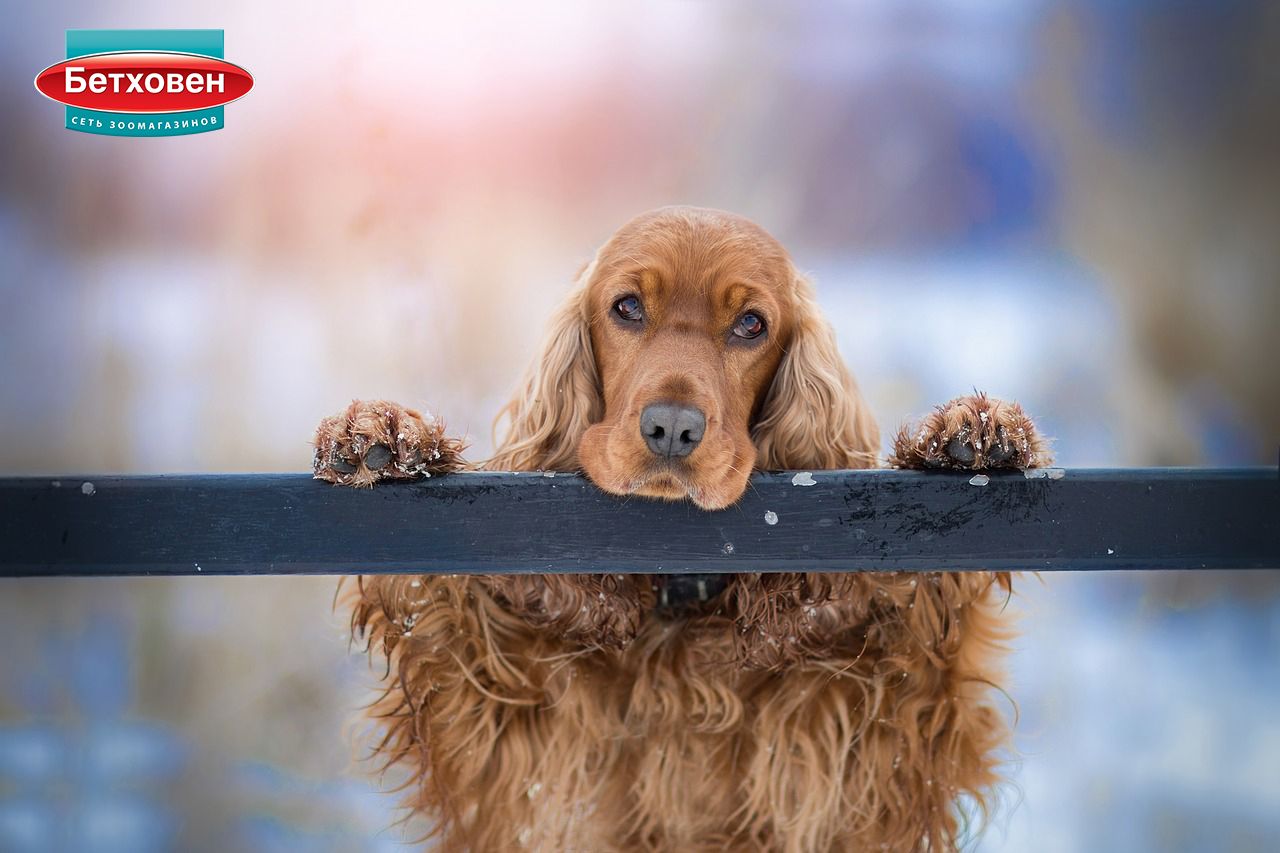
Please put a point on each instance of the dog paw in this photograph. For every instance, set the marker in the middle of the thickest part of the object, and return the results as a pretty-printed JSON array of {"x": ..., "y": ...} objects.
[
  {"x": 374, "y": 440},
  {"x": 975, "y": 432}
]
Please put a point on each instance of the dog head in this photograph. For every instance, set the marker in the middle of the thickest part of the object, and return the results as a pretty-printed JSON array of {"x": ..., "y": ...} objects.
[{"x": 690, "y": 352}]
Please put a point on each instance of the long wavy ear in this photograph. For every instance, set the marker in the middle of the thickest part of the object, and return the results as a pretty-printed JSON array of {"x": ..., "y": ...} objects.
[
  {"x": 558, "y": 398},
  {"x": 814, "y": 416}
]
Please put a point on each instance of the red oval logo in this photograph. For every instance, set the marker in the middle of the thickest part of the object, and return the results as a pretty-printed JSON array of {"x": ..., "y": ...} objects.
[{"x": 144, "y": 81}]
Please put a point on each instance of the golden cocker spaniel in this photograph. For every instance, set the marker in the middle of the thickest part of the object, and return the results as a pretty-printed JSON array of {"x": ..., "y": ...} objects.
[{"x": 755, "y": 711}]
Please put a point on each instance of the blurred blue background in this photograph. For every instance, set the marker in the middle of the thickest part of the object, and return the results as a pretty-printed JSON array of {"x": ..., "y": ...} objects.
[{"x": 1076, "y": 204}]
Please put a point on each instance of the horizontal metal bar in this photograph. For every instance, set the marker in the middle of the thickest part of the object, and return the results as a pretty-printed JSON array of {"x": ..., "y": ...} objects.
[{"x": 488, "y": 522}]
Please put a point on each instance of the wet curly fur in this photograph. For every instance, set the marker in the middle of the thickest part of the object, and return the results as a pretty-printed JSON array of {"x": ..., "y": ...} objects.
[{"x": 802, "y": 712}]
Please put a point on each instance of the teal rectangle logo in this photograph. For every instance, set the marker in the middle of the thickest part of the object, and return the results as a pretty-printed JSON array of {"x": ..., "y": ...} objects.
[{"x": 144, "y": 82}]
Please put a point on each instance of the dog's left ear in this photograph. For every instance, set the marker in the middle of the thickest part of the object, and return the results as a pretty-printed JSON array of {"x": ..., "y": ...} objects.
[{"x": 813, "y": 416}]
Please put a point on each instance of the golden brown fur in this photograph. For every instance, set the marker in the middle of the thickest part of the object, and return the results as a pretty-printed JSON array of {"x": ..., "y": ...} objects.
[{"x": 805, "y": 712}]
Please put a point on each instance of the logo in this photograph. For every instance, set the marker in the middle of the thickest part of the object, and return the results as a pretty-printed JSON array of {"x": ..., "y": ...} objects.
[{"x": 144, "y": 82}]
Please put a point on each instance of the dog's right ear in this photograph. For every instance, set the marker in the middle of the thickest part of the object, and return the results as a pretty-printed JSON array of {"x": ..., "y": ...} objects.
[{"x": 559, "y": 397}]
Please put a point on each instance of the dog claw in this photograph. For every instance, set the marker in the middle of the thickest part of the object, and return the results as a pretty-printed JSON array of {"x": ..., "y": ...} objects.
[
  {"x": 961, "y": 450},
  {"x": 408, "y": 456},
  {"x": 377, "y": 457},
  {"x": 1000, "y": 450},
  {"x": 342, "y": 466}
]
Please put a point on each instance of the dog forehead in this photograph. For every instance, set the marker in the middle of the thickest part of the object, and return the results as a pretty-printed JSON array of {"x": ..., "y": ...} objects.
[
  {"x": 687, "y": 232},
  {"x": 696, "y": 253}
]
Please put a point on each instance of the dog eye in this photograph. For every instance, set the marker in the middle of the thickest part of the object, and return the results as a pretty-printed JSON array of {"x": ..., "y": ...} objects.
[
  {"x": 749, "y": 326},
  {"x": 629, "y": 308}
]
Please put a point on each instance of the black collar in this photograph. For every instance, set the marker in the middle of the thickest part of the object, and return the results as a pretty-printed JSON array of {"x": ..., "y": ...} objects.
[{"x": 687, "y": 594}]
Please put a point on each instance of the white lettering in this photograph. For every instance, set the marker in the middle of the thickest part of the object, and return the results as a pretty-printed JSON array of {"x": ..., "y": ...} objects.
[
  {"x": 77, "y": 81},
  {"x": 74, "y": 83}
]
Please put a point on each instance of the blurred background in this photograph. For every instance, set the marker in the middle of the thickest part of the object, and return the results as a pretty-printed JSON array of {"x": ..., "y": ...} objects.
[{"x": 1075, "y": 204}]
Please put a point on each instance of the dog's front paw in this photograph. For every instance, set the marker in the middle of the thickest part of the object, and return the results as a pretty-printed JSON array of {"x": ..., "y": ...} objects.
[
  {"x": 973, "y": 432},
  {"x": 375, "y": 440}
]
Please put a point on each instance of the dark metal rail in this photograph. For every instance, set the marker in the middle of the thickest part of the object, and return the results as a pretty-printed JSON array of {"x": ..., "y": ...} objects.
[{"x": 819, "y": 521}]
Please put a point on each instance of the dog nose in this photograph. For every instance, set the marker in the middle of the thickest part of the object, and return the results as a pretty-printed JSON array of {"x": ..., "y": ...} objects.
[{"x": 671, "y": 429}]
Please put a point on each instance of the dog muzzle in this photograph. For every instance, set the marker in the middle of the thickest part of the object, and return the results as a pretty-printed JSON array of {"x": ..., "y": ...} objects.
[{"x": 688, "y": 595}]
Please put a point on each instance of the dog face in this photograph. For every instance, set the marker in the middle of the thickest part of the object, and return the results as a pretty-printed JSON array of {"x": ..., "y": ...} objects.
[
  {"x": 689, "y": 316},
  {"x": 691, "y": 353}
]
